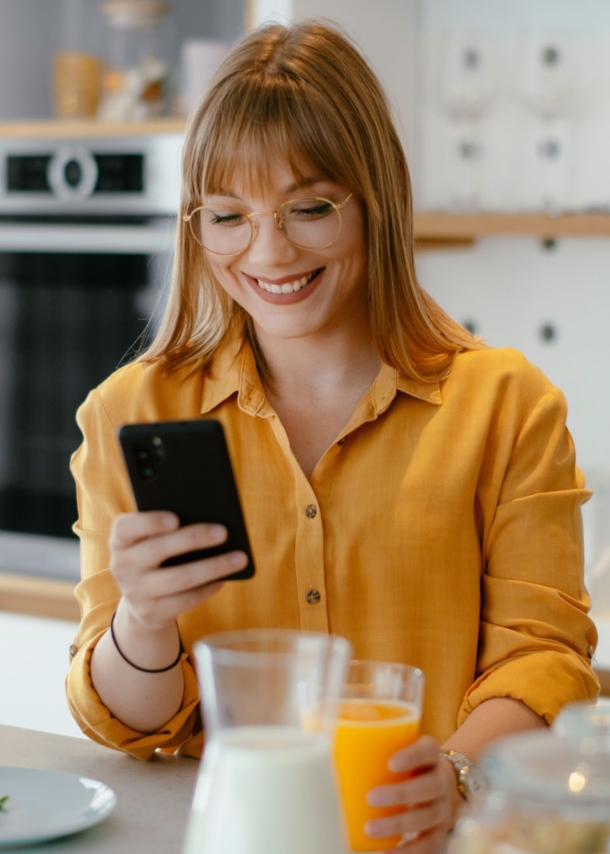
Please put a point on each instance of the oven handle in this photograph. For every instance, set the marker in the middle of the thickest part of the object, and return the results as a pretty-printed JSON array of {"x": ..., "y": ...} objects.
[{"x": 106, "y": 239}]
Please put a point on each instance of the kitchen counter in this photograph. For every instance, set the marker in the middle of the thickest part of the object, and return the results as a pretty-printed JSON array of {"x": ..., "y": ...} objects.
[{"x": 153, "y": 798}]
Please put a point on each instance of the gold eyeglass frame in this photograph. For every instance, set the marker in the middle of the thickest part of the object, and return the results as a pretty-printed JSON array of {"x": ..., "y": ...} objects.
[{"x": 279, "y": 223}]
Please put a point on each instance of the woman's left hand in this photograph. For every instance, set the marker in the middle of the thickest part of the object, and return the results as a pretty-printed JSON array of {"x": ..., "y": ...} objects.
[{"x": 430, "y": 798}]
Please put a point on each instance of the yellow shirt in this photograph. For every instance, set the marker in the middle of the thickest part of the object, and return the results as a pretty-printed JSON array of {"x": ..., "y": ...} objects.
[{"x": 441, "y": 529}]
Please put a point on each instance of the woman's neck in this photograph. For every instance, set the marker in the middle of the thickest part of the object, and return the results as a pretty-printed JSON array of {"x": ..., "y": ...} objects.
[{"x": 319, "y": 366}]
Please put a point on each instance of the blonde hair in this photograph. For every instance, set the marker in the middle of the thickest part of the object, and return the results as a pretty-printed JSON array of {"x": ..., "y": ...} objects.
[{"x": 306, "y": 90}]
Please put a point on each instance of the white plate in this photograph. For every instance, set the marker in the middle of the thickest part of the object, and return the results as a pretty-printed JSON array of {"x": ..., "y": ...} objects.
[{"x": 46, "y": 804}]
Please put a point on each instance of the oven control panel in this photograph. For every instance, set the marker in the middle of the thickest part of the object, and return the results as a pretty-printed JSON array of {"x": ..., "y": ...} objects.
[
  {"x": 108, "y": 176},
  {"x": 114, "y": 173}
]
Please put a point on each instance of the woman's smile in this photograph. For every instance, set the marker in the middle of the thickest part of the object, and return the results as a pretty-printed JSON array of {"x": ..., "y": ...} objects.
[{"x": 288, "y": 289}]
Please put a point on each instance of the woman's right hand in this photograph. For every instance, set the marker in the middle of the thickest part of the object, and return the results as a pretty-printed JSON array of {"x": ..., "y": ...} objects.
[{"x": 155, "y": 595}]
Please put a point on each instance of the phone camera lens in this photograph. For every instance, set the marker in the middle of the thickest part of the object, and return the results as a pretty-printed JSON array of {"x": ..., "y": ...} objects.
[
  {"x": 148, "y": 472},
  {"x": 142, "y": 455},
  {"x": 158, "y": 448}
]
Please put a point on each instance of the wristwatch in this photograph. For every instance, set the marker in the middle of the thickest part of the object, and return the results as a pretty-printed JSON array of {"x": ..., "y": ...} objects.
[{"x": 469, "y": 779}]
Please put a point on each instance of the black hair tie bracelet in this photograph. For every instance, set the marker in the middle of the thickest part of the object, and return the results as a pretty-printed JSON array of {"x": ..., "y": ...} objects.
[{"x": 135, "y": 666}]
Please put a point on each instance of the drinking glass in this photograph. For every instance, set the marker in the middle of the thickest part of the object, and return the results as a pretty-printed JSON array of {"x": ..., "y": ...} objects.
[
  {"x": 584, "y": 720},
  {"x": 379, "y": 714},
  {"x": 266, "y": 782},
  {"x": 76, "y": 84}
]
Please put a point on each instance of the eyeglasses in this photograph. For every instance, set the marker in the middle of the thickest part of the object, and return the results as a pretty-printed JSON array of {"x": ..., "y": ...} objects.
[{"x": 306, "y": 223}]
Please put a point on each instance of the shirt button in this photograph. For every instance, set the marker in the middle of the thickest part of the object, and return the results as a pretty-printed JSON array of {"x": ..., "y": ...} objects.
[
  {"x": 311, "y": 511},
  {"x": 341, "y": 441},
  {"x": 73, "y": 650},
  {"x": 313, "y": 596}
]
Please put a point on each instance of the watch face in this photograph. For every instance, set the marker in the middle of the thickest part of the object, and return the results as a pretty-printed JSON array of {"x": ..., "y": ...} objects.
[{"x": 470, "y": 780}]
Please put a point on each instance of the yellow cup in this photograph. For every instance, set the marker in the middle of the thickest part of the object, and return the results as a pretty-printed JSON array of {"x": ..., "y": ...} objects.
[
  {"x": 76, "y": 84},
  {"x": 379, "y": 715}
]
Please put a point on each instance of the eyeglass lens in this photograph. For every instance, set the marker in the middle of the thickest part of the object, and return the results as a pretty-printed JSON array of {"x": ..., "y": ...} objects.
[{"x": 308, "y": 223}]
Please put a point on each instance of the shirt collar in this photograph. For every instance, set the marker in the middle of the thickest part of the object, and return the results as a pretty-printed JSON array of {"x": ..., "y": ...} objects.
[{"x": 233, "y": 371}]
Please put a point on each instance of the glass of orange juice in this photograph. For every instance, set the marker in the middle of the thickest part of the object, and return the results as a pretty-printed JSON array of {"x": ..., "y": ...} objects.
[{"x": 379, "y": 714}]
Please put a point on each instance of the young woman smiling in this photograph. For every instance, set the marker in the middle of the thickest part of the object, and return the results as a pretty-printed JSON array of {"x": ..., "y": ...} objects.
[{"x": 404, "y": 486}]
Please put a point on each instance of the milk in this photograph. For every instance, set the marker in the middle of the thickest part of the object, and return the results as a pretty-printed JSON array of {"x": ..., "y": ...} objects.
[{"x": 266, "y": 790}]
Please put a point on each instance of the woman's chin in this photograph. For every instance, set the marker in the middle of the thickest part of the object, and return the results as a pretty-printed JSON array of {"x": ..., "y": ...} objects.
[{"x": 284, "y": 328}]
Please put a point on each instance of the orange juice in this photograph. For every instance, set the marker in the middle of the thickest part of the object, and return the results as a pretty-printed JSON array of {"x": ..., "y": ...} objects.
[{"x": 369, "y": 733}]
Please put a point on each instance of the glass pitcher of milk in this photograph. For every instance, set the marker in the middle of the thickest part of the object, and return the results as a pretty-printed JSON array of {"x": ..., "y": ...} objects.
[{"x": 266, "y": 783}]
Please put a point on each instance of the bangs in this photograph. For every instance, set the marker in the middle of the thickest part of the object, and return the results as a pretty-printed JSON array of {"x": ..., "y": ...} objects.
[{"x": 258, "y": 122}]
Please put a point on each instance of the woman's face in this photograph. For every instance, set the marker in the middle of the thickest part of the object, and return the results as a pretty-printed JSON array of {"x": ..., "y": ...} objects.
[{"x": 333, "y": 280}]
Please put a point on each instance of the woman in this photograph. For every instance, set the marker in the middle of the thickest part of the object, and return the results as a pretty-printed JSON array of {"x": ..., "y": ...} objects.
[{"x": 403, "y": 485}]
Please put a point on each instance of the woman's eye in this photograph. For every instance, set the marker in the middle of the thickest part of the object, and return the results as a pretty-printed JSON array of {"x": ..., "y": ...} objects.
[
  {"x": 311, "y": 210},
  {"x": 227, "y": 218}
]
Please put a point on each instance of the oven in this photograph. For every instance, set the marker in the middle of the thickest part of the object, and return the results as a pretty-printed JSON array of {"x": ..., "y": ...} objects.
[{"x": 86, "y": 239}]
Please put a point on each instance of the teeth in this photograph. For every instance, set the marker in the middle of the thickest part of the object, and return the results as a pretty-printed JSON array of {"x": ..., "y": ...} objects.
[{"x": 288, "y": 287}]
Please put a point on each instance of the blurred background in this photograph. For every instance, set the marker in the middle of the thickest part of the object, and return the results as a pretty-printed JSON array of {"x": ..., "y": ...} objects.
[{"x": 504, "y": 110}]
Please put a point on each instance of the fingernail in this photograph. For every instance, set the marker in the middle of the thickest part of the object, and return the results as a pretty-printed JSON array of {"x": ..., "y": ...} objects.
[
  {"x": 374, "y": 799},
  {"x": 239, "y": 560},
  {"x": 394, "y": 766},
  {"x": 169, "y": 521},
  {"x": 369, "y": 829},
  {"x": 217, "y": 533}
]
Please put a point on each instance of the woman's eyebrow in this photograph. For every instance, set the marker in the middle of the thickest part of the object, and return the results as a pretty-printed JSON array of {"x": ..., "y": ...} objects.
[{"x": 306, "y": 182}]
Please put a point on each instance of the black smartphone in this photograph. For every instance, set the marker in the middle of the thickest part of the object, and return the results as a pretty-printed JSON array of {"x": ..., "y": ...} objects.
[{"x": 184, "y": 467}]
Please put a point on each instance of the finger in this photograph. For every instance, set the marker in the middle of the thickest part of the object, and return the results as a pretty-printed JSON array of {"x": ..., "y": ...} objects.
[
  {"x": 412, "y": 821},
  {"x": 153, "y": 551},
  {"x": 157, "y": 612},
  {"x": 130, "y": 528},
  {"x": 429, "y": 843},
  {"x": 421, "y": 754},
  {"x": 421, "y": 789},
  {"x": 177, "y": 580}
]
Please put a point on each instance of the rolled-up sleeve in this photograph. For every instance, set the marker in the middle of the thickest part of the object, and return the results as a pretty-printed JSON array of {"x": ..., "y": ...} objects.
[
  {"x": 97, "y": 463},
  {"x": 536, "y": 639}
]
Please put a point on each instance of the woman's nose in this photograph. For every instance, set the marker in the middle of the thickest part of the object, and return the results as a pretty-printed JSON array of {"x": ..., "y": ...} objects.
[{"x": 269, "y": 243}]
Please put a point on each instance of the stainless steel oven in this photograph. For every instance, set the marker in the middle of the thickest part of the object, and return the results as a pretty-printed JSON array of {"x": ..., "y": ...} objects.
[{"x": 86, "y": 237}]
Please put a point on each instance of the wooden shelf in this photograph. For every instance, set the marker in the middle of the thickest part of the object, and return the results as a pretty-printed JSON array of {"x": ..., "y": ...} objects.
[
  {"x": 88, "y": 129},
  {"x": 40, "y": 597},
  {"x": 440, "y": 228}
]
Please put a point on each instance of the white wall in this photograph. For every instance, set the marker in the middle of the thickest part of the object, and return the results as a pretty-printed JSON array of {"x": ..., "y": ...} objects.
[{"x": 34, "y": 656}]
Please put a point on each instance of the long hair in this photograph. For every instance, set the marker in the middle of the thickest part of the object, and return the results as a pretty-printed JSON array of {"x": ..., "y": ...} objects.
[{"x": 308, "y": 92}]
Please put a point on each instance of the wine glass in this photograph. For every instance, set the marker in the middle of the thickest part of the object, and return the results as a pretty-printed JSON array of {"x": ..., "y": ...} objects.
[
  {"x": 463, "y": 86},
  {"x": 550, "y": 86}
]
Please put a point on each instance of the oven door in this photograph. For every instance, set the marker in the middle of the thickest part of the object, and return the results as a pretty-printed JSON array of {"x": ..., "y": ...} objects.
[{"x": 75, "y": 301}]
